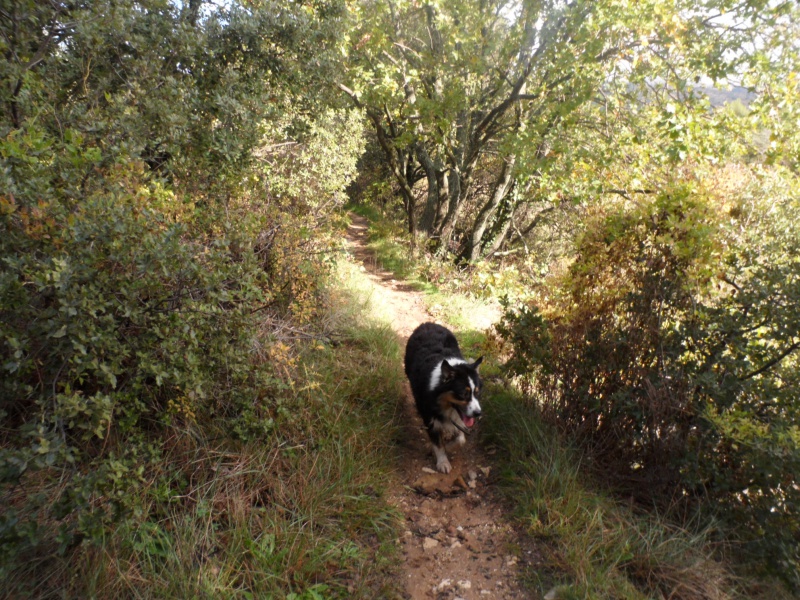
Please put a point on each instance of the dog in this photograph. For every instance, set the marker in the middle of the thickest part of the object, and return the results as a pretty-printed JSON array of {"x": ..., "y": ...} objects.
[{"x": 446, "y": 387}]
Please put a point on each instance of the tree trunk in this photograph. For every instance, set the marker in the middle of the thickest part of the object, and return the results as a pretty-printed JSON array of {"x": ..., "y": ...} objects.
[
  {"x": 443, "y": 183},
  {"x": 409, "y": 199},
  {"x": 398, "y": 165},
  {"x": 455, "y": 198},
  {"x": 426, "y": 221},
  {"x": 501, "y": 187},
  {"x": 501, "y": 236}
]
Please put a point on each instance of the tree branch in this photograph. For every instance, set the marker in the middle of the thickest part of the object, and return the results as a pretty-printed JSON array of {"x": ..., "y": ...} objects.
[
  {"x": 352, "y": 95},
  {"x": 771, "y": 363}
]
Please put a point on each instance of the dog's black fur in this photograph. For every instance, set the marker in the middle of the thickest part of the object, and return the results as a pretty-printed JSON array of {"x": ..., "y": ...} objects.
[{"x": 446, "y": 388}]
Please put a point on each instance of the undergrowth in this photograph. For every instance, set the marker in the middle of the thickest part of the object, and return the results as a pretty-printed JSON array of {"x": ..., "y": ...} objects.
[
  {"x": 592, "y": 545},
  {"x": 297, "y": 513},
  {"x": 589, "y": 544}
]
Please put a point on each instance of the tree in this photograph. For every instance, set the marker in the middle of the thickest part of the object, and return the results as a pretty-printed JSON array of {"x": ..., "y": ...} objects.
[{"x": 472, "y": 99}]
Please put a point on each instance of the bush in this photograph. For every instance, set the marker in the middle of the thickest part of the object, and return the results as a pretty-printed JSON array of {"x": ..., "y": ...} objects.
[
  {"x": 148, "y": 241},
  {"x": 115, "y": 322},
  {"x": 668, "y": 352}
]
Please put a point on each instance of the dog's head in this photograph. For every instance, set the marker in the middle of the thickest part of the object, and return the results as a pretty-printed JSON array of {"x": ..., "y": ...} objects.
[{"x": 462, "y": 389}]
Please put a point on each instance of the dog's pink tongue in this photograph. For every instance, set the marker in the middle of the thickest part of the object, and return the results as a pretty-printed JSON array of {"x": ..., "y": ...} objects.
[{"x": 469, "y": 421}]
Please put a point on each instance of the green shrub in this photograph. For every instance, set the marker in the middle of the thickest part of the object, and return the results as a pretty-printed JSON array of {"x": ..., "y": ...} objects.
[
  {"x": 150, "y": 237},
  {"x": 667, "y": 351},
  {"x": 114, "y": 324}
]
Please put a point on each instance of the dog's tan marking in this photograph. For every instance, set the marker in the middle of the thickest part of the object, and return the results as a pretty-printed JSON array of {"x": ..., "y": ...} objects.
[{"x": 447, "y": 400}]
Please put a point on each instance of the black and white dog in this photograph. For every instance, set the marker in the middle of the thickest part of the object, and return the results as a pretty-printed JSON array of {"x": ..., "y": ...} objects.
[{"x": 446, "y": 387}]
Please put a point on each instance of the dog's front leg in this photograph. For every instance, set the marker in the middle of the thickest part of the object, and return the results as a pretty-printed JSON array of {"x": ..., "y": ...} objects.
[
  {"x": 442, "y": 464},
  {"x": 437, "y": 441}
]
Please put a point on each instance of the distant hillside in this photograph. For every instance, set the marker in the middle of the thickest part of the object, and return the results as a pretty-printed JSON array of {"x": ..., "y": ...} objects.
[{"x": 720, "y": 97}]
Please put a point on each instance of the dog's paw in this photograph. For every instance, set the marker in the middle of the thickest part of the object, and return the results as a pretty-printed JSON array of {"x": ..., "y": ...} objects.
[{"x": 442, "y": 464}]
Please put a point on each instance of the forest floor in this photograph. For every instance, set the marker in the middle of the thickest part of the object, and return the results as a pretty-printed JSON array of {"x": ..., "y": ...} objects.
[{"x": 456, "y": 539}]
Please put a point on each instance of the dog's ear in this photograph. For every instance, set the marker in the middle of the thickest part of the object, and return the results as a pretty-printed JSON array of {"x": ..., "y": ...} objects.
[
  {"x": 448, "y": 372},
  {"x": 477, "y": 363}
]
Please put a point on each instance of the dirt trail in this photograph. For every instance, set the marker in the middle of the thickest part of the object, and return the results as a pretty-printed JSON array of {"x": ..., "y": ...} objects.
[{"x": 456, "y": 542}]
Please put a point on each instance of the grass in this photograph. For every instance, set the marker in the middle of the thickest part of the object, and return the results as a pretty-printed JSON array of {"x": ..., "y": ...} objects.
[
  {"x": 463, "y": 312},
  {"x": 391, "y": 249},
  {"x": 393, "y": 253},
  {"x": 593, "y": 545},
  {"x": 298, "y": 514}
]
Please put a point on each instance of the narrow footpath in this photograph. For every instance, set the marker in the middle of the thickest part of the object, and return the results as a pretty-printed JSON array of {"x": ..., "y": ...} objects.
[{"x": 456, "y": 541}]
